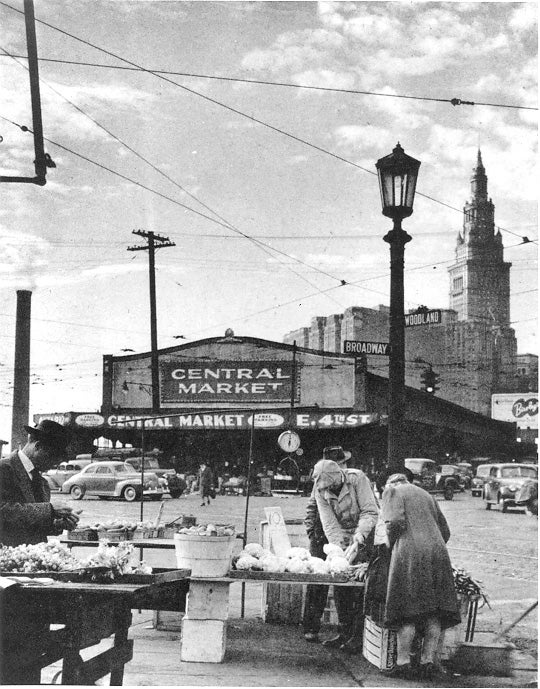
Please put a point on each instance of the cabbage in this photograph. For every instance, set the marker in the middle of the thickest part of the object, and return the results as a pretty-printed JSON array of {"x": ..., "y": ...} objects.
[
  {"x": 296, "y": 566},
  {"x": 319, "y": 566},
  {"x": 247, "y": 562},
  {"x": 332, "y": 550},
  {"x": 339, "y": 565},
  {"x": 301, "y": 553},
  {"x": 254, "y": 549}
]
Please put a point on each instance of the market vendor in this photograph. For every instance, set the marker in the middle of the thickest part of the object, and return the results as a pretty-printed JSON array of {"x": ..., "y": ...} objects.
[
  {"x": 348, "y": 513},
  {"x": 26, "y": 513}
]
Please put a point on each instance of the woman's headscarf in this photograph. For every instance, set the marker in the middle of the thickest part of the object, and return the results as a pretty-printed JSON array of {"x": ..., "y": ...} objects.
[
  {"x": 327, "y": 474},
  {"x": 396, "y": 479}
]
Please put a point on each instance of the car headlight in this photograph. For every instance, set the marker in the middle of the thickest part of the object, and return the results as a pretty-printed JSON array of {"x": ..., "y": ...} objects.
[{"x": 513, "y": 488}]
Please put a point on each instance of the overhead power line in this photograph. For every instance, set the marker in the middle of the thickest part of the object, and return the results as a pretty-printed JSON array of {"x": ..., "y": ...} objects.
[
  {"x": 228, "y": 107},
  {"x": 264, "y": 82}
]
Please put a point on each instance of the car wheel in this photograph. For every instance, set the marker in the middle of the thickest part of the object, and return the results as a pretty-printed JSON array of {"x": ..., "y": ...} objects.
[
  {"x": 76, "y": 492},
  {"x": 129, "y": 493},
  {"x": 502, "y": 503},
  {"x": 448, "y": 493}
]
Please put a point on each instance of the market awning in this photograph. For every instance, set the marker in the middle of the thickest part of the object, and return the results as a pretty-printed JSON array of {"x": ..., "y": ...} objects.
[{"x": 230, "y": 419}]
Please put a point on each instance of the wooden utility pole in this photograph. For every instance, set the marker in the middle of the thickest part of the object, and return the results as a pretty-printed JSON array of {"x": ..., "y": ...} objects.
[{"x": 155, "y": 241}]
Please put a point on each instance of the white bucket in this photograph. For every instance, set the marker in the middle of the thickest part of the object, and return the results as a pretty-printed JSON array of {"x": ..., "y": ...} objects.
[{"x": 205, "y": 556}]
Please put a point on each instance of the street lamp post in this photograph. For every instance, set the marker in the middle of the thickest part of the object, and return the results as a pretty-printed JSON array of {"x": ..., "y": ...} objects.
[{"x": 397, "y": 174}]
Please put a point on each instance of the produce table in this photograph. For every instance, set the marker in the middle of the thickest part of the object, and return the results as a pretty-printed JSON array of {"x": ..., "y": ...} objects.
[
  {"x": 89, "y": 612},
  {"x": 204, "y": 627}
]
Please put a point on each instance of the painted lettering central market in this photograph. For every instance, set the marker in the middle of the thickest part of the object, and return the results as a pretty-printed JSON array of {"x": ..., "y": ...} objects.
[{"x": 246, "y": 381}]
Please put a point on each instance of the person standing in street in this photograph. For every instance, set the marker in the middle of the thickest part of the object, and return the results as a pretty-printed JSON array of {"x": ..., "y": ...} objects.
[
  {"x": 206, "y": 484},
  {"x": 347, "y": 510},
  {"x": 26, "y": 513},
  {"x": 420, "y": 596}
]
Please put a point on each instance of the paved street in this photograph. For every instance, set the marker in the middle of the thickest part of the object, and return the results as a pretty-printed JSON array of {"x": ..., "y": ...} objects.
[{"x": 498, "y": 549}]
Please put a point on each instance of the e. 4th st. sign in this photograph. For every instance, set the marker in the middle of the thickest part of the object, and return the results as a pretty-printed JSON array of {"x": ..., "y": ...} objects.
[{"x": 362, "y": 347}]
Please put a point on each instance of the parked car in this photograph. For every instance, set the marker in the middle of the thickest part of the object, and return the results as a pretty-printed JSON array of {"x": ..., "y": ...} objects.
[
  {"x": 432, "y": 477},
  {"x": 114, "y": 480},
  {"x": 175, "y": 483},
  {"x": 56, "y": 477},
  {"x": 504, "y": 482},
  {"x": 527, "y": 497},
  {"x": 477, "y": 483}
]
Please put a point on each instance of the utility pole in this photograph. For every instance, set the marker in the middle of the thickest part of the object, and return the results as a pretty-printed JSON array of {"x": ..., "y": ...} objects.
[{"x": 155, "y": 241}]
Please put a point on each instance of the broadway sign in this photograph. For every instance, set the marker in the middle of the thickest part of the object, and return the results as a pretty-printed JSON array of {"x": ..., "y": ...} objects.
[
  {"x": 361, "y": 347},
  {"x": 226, "y": 381}
]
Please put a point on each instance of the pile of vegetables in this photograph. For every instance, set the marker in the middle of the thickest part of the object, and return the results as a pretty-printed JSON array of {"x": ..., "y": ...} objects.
[
  {"x": 41, "y": 557},
  {"x": 108, "y": 562},
  {"x": 468, "y": 586},
  {"x": 53, "y": 557},
  {"x": 297, "y": 561},
  {"x": 208, "y": 530}
]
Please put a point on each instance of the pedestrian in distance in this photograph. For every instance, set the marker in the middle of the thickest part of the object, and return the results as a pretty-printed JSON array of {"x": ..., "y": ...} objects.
[
  {"x": 348, "y": 512},
  {"x": 206, "y": 484},
  {"x": 421, "y": 599},
  {"x": 26, "y": 513}
]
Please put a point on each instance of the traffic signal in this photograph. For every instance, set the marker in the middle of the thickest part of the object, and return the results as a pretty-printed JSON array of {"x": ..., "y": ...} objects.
[{"x": 430, "y": 380}]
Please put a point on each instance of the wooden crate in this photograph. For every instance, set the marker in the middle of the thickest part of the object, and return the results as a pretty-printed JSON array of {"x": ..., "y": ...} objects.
[{"x": 379, "y": 645}]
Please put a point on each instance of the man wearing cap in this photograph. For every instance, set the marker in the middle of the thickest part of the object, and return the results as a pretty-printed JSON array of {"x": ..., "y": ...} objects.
[
  {"x": 26, "y": 514},
  {"x": 354, "y": 487}
]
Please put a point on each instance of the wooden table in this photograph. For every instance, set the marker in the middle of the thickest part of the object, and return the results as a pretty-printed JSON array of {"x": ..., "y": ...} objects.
[
  {"x": 88, "y": 613},
  {"x": 204, "y": 627}
]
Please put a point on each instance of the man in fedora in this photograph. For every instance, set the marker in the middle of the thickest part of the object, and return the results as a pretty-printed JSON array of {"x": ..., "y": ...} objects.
[
  {"x": 26, "y": 513},
  {"x": 349, "y": 638}
]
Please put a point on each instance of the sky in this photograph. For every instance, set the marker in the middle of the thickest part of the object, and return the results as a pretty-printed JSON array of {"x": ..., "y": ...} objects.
[{"x": 268, "y": 191}]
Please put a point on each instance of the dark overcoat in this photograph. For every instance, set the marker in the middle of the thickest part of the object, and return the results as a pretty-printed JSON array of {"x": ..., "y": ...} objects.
[
  {"x": 420, "y": 579},
  {"x": 22, "y": 519}
]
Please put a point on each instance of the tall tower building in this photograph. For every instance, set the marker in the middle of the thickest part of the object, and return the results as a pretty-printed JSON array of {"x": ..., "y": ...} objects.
[{"x": 480, "y": 277}]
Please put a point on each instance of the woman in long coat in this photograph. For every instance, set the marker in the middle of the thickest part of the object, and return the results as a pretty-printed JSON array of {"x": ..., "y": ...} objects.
[
  {"x": 421, "y": 596},
  {"x": 206, "y": 484}
]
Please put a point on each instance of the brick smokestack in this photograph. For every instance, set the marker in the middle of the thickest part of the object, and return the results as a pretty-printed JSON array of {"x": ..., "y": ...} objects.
[{"x": 21, "y": 379}]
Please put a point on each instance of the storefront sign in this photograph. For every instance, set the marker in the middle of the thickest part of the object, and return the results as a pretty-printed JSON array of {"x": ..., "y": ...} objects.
[
  {"x": 266, "y": 420},
  {"x": 423, "y": 318},
  {"x": 242, "y": 420},
  {"x": 226, "y": 381},
  {"x": 62, "y": 419},
  {"x": 361, "y": 347},
  {"x": 519, "y": 408},
  {"x": 89, "y": 420}
]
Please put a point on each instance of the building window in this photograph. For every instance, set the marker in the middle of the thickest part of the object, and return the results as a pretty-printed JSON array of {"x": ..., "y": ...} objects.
[{"x": 458, "y": 285}]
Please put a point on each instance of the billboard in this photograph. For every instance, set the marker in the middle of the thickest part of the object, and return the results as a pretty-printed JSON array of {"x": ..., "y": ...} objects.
[{"x": 518, "y": 407}]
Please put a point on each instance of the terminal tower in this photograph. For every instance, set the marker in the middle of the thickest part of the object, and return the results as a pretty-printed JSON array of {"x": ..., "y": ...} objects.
[{"x": 473, "y": 348}]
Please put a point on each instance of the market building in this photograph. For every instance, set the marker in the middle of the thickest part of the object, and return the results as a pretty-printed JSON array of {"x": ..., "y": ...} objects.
[{"x": 224, "y": 397}]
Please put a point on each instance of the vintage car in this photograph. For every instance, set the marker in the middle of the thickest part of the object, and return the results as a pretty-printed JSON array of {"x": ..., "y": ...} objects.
[
  {"x": 114, "y": 480},
  {"x": 432, "y": 477},
  {"x": 504, "y": 483},
  {"x": 56, "y": 477},
  {"x": 477, "y": 484},
  {"x": 175, "y": 483}
]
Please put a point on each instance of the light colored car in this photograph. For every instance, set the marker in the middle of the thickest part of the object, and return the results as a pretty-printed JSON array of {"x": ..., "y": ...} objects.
[
  {"x": 477, "y": 483},
  {"x": 504, "y": 483},
  {"x": 114, "y": 480},
  {"x": 56, "y": 477}
]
